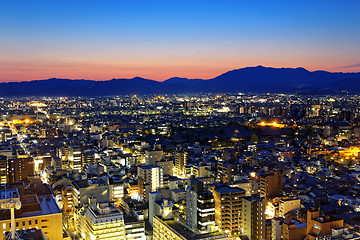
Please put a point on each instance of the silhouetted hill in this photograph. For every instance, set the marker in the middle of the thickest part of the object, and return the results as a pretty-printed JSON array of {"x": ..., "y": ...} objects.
[
  {"x": 250, "y": 79},
  {"x": 265, "y": 79}
]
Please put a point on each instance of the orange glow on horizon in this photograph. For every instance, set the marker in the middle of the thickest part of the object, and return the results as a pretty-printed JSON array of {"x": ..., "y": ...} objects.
[{"x": 160, "y": 70}]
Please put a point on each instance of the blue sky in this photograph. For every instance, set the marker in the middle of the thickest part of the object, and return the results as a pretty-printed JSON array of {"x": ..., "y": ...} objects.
[{"x": 161, "y": 39}]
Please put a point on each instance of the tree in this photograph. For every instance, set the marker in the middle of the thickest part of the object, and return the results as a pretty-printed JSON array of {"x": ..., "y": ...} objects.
[{"x": 254, "y": 138}]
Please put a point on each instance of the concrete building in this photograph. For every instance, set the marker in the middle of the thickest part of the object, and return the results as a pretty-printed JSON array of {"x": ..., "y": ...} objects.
[
  {"x": 3, "y": 169},
  {"x": 287, "y": 205},
  {"x": 293, "y": 229},
  {"x": 246, "y": 185},
  {"x": 319, "y": 226},
  {"x": 276, "y": 228},
  {"x": 226, "y": 171},
  {"x": 180, "y": 163},
  {"x": 228, "y": 208},
  {"x": 75, "y": 158},
  {"x": 172, "y": 230},
  {"x": 167, "y": 166},
  {"x": 200, "y": 207},
  {"x": 271, "y": 185},
  {"x": 104, "y": 221},
  {"x": 116, "y": 188},
  {"x": 154, "y": 155},
  {"x": 134, "y": 228},
  {"x": 84, "y": 189},
  {"x": 177, "y": 195},
  {"x": 20, "y": 168},
  {"x": 253, "y": 217},
  {"x": 150, "y": 179}
]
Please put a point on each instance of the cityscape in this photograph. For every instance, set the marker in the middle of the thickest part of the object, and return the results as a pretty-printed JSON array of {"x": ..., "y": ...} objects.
[
  {"x": 231, "y": 166},
  {"x": 179, "y": 120}
]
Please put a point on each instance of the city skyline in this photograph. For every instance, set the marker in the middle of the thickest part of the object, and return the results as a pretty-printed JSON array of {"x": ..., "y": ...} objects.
[{"x": 159, "y": 40}]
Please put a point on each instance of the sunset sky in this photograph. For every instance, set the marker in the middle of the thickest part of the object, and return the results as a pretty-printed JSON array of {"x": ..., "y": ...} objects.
[{"x": 106, "y": 39}]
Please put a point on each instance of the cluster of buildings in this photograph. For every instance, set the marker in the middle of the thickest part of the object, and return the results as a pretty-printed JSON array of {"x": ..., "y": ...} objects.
[{"x": 264, "y": 167}]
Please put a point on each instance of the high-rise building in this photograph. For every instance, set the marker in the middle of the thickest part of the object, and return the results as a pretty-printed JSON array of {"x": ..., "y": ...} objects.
[
  {"x": 75, "y": 157},
  {"x": 271, "y": 184},
  {"x": 180, "y": 162},
  {"x": 276, "y": 228},
  {"x": 200, "y": 206},
  {"x": 253, "y": 217},
  {"x": 20, "y": 168},
  {"x": 3, "y": 169},
  {"x": 150, "y": 179},
  {"x": 228, "y": 206}
]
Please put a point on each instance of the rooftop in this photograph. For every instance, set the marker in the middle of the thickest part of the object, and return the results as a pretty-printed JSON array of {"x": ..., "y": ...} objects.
[
  {"x": 188, "y": 234},
  {"x": 225, "y": 189}
]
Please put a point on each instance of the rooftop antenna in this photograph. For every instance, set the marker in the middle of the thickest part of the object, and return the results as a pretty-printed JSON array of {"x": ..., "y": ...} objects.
[
  {"x": 12, "y": 205},
  {"x": 7, "y": 202}
]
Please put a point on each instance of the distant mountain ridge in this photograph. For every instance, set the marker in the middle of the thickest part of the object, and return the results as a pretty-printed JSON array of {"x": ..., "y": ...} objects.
[{"x": 250, "y": 79}]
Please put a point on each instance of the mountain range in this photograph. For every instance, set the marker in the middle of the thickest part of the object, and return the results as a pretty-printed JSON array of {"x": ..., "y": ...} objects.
[{"x": 250, "y": 79}]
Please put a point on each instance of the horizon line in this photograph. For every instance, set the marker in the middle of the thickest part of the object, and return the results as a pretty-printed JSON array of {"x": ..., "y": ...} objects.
[{"x": 205, "y": 79}]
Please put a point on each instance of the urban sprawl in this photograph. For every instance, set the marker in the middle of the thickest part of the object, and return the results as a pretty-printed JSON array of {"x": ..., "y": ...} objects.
[{"x": 210, "y": 167}]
